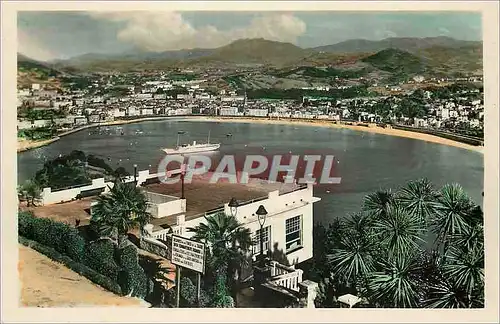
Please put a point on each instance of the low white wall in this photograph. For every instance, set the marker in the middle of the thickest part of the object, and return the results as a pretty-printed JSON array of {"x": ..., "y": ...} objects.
[
  {"x": 53, "y": 197},
  {"x": 171, "y": 208}
]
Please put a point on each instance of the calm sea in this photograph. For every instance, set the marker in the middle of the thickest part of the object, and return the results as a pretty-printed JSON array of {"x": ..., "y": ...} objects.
[{"x": 365, "y": 161}]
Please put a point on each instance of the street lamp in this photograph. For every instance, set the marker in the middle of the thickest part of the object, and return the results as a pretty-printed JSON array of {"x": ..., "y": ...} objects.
[
  {"x": 135, "y": 173},
  {"x": 233, "y": 205},
  {"x": 261, "y": 216}
]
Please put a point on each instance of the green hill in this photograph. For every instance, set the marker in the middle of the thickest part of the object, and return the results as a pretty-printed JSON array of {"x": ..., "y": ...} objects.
[
  {"x": 397, "y": 61},
  {"x": 43, "y": 70}
]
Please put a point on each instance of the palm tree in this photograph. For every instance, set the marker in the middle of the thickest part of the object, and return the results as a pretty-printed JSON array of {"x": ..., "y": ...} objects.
[
  {"x": 228, "y": 243},
  {"x": 419, "y": 199},
  {"x": 397, "y": 285},
  {"x": 454, "y": 214},
  {"x": 377, "y": 203},
  {"x": 354, "y": 257},
  {"x": 31, "y": 191},
  {"x": 123, "y": 208},
  {"x": 466, "y": 267},
  {"x": 399, "y": 232},
  {"x": 380, "y": 250}
]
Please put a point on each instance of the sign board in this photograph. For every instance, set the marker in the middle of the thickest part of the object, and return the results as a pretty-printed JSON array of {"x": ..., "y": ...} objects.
[{"x": 188, "y": 253}]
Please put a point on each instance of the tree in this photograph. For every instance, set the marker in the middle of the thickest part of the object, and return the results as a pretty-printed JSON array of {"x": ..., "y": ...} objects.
[
  {"x": 419, "y": 199},
  {"x": 228, "y": 243},
  {"x": 353, "y": 259},
  {"x": 123, "y": 208},
  {"x": 397, "y": 284},
  {"x": 398, "y": 231},
  {"x": 376, "y": 204},
  {"x": 453, "y": 209},
  {"x": 31, "y": 191},
  {"x": 381, "y": 253}
]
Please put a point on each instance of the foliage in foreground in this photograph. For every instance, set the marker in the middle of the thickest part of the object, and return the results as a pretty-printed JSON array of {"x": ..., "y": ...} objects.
[
  {"x": 115, "y": 266},
  {"x": 381, "y": 254},
  {"x": 227, "y": 242},
  {"x": 79, "y": 268}
]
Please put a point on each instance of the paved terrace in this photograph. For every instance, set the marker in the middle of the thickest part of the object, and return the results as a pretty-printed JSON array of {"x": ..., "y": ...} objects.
[{"x": 202, "y": 196}]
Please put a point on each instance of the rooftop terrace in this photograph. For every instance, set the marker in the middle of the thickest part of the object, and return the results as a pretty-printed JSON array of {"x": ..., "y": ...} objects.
[{"x": 202, "y": 197}]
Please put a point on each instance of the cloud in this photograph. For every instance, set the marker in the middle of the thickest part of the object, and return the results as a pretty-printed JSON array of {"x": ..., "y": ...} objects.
[
  {"x": 32, "y": 48},
  {"x": 161, "y": 31}
]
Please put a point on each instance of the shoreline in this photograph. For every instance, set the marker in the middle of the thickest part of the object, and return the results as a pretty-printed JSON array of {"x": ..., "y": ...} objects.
[{"x": 26, "y": 145}]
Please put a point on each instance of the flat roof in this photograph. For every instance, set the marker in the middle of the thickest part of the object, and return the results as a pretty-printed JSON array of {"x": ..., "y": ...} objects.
[{"x": 202, "y": 196}]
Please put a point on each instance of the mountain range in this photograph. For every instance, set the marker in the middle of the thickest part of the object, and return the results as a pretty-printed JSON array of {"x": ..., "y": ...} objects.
[{"x": 441, "y": 53}]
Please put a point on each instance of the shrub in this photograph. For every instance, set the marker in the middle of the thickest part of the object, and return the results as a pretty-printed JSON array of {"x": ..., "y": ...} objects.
[
  {"x": 188, "y": 294},
  {"x": 132, "y": 277},
  {"x": 100, "y": 256},
  {"x": 26, "y": 225},
  {"x": 75, "y": 246},
  {"x": 79, "y": 268},
  {"x": 64, "y": 238}
]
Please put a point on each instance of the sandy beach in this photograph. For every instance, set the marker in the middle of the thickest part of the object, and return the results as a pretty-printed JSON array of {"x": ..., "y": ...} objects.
[
  {"x": 372, "y": 129},
  {"x": 24, "y": 145}
]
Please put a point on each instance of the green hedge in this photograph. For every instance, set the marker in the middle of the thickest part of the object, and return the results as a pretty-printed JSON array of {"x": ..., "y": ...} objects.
[
  {"x": 79, "y": 268},
  {"x": 100, "y": 261},
  {"x": 133, "y": 278},
  {"x": 100, "y": 256},
  {"x": 62, "y": 237},
  {"x": 188, "y": 294}
]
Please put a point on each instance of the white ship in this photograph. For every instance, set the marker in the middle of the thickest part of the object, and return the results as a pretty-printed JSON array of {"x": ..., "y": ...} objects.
[{"x": 192, "y": 148}]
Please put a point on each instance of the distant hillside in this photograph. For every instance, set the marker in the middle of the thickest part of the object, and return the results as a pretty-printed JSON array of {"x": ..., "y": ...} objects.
[
  {"x": 400, "y": 56},
  {"x": 258, "y": 51},
  {"x": 137, "y": 56},
  {"x": 449, "y": 61},
  {"x": 408, "y": 44},
  {"x": 32, "y": 71},
  {"x": 26, "y": 64},
  {"x": 397, "y": 61}
]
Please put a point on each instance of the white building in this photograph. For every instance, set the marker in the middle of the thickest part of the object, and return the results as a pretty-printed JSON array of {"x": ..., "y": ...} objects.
[
  {"x": 445, "y": 113},
  {"x": 419, "y": 122},
  {"x": 258, "y": 112},
  {"x": 147, "y": 111},
  {"x": 228, "y": 111},
  {"x": 232, "y": 98},
  {"x": 288, "y": 226},
  {"x": 160, "y": 96},
  {"x": 133, "y": 111},
  {"x": 144, "y": 95}
]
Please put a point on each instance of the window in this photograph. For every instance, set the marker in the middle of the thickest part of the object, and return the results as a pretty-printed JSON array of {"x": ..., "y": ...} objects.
[
  {"x": 266, "y": 239},
  {"x": 293, "y": 227}
]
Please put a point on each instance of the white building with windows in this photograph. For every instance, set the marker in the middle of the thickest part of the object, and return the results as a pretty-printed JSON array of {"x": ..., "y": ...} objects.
[
  {"x": 228, "y": 111},
  {"x": 258, "y": 112},
  {"x": 288, "y": 226}
]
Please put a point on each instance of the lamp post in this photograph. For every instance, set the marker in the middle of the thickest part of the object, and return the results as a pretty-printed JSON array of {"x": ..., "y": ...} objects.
[
  {"x": 261, "y": 216},
  {"x": 233, "y": 205},
  {"x": 183, "y": 174},
  {"x": 135, "y": 173}
]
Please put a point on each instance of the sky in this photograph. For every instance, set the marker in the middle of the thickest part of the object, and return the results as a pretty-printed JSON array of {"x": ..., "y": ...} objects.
[{"x": 46, "y": 35}]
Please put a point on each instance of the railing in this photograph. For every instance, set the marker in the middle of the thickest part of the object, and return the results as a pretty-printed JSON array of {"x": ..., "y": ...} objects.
[
  {"x": 279, "y": 269},
  {"x": 163, "y": 234},
  {"x": 289, "y": 280},
  {"x": 284, "y": 276}
]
